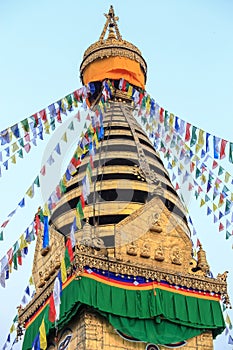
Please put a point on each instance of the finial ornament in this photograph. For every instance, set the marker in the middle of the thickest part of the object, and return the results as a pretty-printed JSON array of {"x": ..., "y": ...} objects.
[{"x": 111, "y": 23}]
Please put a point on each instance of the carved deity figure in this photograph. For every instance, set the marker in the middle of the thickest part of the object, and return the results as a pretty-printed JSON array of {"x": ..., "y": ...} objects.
[
  {"x": 155, "y": 225},
  {"x": 132, "y": 249},
  {"x": 159, "y": 253},
  {"x": 176, "y": 256},
  {"x": 145, "y": 251}
]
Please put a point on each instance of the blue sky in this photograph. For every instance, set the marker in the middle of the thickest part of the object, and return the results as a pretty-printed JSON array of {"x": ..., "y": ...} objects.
[{"x": 189, "y": 51}]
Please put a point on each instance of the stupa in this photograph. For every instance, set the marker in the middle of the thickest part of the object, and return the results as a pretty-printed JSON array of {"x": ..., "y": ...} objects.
[{"x": 133, "y": 283}]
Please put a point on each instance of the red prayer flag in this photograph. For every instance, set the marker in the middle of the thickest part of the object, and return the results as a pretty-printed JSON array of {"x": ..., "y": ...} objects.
[
  {"x": 77, "y": 116},
  {"x": 161, "y": 119},
  {"x": 192, "y": 166},
  {"x": 59, "y": 120},
  {"x": 190, "y": 186},
  {"x": 215, "y": 164},
  {"x": 37, "y": 223},
  {"x": 91, "y": 162},
  {"x": 52, "y": 310},
  {"x": 42, "y": 171},
  {"x": 69, "y": 248},
  {"x": 221, "y": 227},
  {"x": 19, "y": 257},
  {"x": 5, "y": 223},
  {"x": 222, "y": 149},
  {"x": 76, "y": 95},
  {"x": 177, "y": 186},
  {"x": 35, "y": 117},
  {"x": 187, "y": 133},
  {"x": 82, "y": 201},
  {"x": 43, "y": 115}
]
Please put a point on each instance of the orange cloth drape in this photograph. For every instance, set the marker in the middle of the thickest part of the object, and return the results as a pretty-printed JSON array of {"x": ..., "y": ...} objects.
[{"x": 115, "y": 68}]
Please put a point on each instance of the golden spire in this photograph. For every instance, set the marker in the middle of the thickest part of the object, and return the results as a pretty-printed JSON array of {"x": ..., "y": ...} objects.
[
  {"x": 120, "y": 55},
  {"x": 110, "y": 24}
]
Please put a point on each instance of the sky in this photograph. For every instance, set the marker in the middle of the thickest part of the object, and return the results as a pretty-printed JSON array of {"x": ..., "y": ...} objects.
[{"x": 188, "y": 48}]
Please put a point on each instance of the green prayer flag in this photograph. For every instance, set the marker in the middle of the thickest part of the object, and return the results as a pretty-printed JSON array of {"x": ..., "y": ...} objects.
[
  {"x": 231, "y": 152},
  {"x": 21, "y": 142},
  {"x": 62, "y": 186},
  {"x": 41, "y": 215},
  {"x": 194, "y": 136},
  {"x": 227, "y": 207},
  {"x": 220, "y": 170},
  {"x": 52, "y": 124},
  {"x": 67, "y": 258},
  {"x": 166, "y": 118},
  {"x": 15, "y": 319},
  {"x": 80, "y": 210},
  {"x": 20, "y": 153},
  {"x": 15, "y": 263},
  {"x": 37, "y": 181},
  {"x": 69, "y": 101},
  {"x": 1, "y": 236},
  {"x": 25, "y": 125},
  {"x": 198, "y": 173},
  {"x": 71, "y": 126},
  {"x": 228, "y": 235}
]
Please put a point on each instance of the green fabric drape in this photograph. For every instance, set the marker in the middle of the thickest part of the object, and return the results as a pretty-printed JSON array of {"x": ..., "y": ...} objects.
[{"x": 163, "y": 318}]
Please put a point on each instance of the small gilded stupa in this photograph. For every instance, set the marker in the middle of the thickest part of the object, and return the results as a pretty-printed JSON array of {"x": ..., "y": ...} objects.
[{"x": 133, "y": 283}]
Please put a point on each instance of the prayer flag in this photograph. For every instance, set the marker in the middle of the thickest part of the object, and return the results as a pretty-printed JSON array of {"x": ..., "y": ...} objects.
[
  {"x": 216, "y": 147},
  {"x": 194, "y": 136},
  {"x": 222, "y": 149},
  {"x": 187, "y": 132},
  {"x": 63, "y": 271},
  {"x": 46, "y": 232}
]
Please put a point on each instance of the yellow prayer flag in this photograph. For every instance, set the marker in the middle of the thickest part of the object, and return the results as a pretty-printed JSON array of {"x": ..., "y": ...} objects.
[
  {"x": 214, "y": 207},
  {"x": 13, "y": 159},
  {"x": 63, "y": 105},
  {"x": 12, "y": 329},
  {"x": 130, "y": 91},
  {"x": 64, "y": 137},
  {"x": 171, "y": 120},
  {"x": 227, "y": 176},
  {"x": 46, "y": 210},
  {"x": 79, "y": 151},
  {"x": 203, "y": 178},
  {"x": 43, "y": 339},
  {"x": 201, "y": 138},
  {"x": 75, "y": 103},
  {"x": 30, "y": 191},
  {"x": 197, "y": 148},
  {"x": 23, "y": 244},
  {"x": 202, "y": 202},
  {"x": 78, "y": 221},
  {"x": 95, "y": 138},
  {"x": 228, "y": 319},
  {"x": 63, "y": 271},
  {"x": 148, "y": 104},
  {"x": 31, "y": 281},
  {"x": 15, "y": 147},
  {"x": 47, "y": 127}
]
